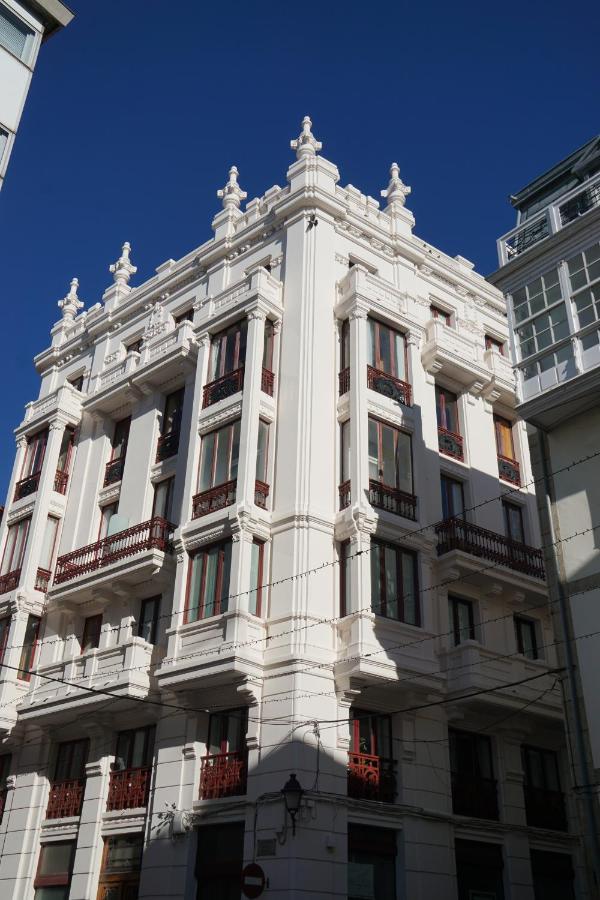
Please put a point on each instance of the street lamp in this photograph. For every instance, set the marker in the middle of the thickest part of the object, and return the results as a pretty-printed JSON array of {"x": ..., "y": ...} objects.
[{"x": 292, "y": 795}]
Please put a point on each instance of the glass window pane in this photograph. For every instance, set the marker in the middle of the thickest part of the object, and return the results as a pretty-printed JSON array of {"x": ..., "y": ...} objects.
[
  {"x": 371, "y": 350},
  {"x": 261, "y": 451},
  {"x": 208, "y": 449},
  {"x": 376, "y": 583},
  {"x": 400, "y": 357},
  {"x": 404, "y": 477},
  {"x": 226, "y": 564},
  {"x": 255, "y": 578},
  {"x": 124, "y": 854},
  {"x": 408, "y": 589},
  {"x": 388, "y": 456},
  {"x": 48, "y": 542},
  {"x": 384, "y": 361},
  {"x": 222, "y": 456},
  {"x": 55, "y": 859},
  {"x": 138, "y": 757},
  {"x": 373, "y": 450},
  {"x": 197, "y": 565},
  {"x": 235, "y": 450},
  {"x": 391, "y": 583},
  {"x": 212, "y": 563}
]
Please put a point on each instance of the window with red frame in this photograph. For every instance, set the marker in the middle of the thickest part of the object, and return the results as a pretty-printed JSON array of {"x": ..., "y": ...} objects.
[
  {"x": 446, "y": 404},
  {"x": 219, "y": 456},
  {"x": 227, "y": 731},
  {"x": 106, "y": 514},
  {"x": 441, "y": 315},
  {"x": 55, "y": 866},
  {"x": 208, "y": 582},
  {"x": 504, "y": 437},
  {"x": 370, "y": 733},
  {"x": 91, "y": 633},
  {"x": 135, "y": 748},
  {"x": 121, "y": 864},
  {"x": 49, "y": 543},
  {"x": 30, "y": 642},
  {"x": 34, "y": 457},
  {"x": 4, "y": 632},
  {"x": 71, "y": 759},
  {"x": 66, "y": 451},
  {"x": 14, "y": 549},
  {"x": 387, "y": 350},
  {"x": 268, "y": 342},
  {"x": 262, "y": 451},
  {"x": 492, "y": 343},
  {"x": 228, "y": 350},
  {"x": 256, "y": 577},
  {"x": 390, "y": 456},
  {"x": 394, "y": 582}
]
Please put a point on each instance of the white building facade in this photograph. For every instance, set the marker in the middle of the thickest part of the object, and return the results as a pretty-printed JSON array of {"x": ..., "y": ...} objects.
[
  {"x": 272, "y": 516},
  {"x": 24, "y": 25}
]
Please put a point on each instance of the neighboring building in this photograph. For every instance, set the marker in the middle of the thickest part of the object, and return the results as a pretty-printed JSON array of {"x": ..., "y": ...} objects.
[
  {"x": 255, "y": 527},
  {"x": 550, "y": 274},
  {"x": 24, "y": 24}
]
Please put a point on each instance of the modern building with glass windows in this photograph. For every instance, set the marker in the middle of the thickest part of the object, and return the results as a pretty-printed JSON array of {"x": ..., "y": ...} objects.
[
  {"x": 271, "y": 525},
  {"x": 550, "y": 274}
]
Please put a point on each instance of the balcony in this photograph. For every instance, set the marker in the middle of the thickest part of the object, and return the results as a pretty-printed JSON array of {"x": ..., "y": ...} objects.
[
  {"x": 61, "y": 480},
  {"x": 371, "y": 778},
  {"x": 223, "y": 387},
  {"x": 344, "y": 494},
  {"x": 42, "y": 580},
  {"x": 114, "y": 471},
  {"x": 27, "y": 486},
  {"x": 392, "y": 500},
  {"x": 66, "y": 799},
  {"x": 456, "y": 355},
  {"x": 66, "y": 400},
  {"x": 223, "y": 775},
  {"x": 475, "y": 797},
  {"x": 457, "y": 534},
  {"x": 389, "y": 386},
  {"x": 129, "y": 788},
  {"x": 509, "y": 470},
  {"x": 216, "y": 498},
  {"x": 9, "y": 581},
  {"x": 450, "y": 443},
  {"x": 261, "y": 494},
  {"x": 501, "y": 374},
  {"x": 267, "y": 382},
  {"x": 344, "y": 381},
  {"x": 167, "y": 446},
  {"x": 568, "y": 208},
  {"x": 545, "y": 809}
]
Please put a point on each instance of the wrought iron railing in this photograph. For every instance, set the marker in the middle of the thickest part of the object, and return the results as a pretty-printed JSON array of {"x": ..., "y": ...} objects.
[
  {"x": 587, "y": 199},
  {"x": 223, "y": 387},
  {"x": 530, "y": 234},
  {"x": 371, "y": 777},
  {"x": 344, "y": 492},
  {"x": 267, "y": 382},
  {"x": 450, "y": 443},
  {"x": 456, "y": 534},
  {"x": 509, "y": 470},
  {"x": 389, "y": 386},
  {"x": 129, "y": 788},
  {"x": 344, "y": 381},
  {"x": 61, "y": 480},
  {"x": 42, "y": 580},
  {"x": 223, "y": 775},
  {"x": 66, "y": 798},
  {"x": 154, "y": 534},
  {"x": 9, "y": 581},
  {"x": 27, "y": 486},
  {"x": 114, "y": 470},
  {"x": 261, "y": 493},
  {"x": 545, "y": 809},
  {"x": 167, "y": 445},
  {"x": 476, "y": 797},
  {"x": 392, "y": 499},
  {"x": 215, "y": 498}
]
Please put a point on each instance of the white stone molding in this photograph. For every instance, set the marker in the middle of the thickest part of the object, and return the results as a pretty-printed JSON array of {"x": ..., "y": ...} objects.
[
  {"x": 70, "y": 304},
  {"x": 123, "y": 269},
  {"x": 232, "y": 194},
  {"x": 396, "y": 191},
  {"x": 306, "y": 145}
]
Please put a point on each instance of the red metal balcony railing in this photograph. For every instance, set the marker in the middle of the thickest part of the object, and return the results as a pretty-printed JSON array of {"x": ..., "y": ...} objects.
[
  {"x": 167, "y": 445},
  {"x": 389, "y": 386},
  {"x": 261, "y": 493},
  {"x": 27, "y": 486},
  {"x": 223, "y": 775},
  {"x": 472, "y": 796},
  {"x": 392, "y": 499},
  {"x": 545, "y": 809},
  {"x": 42, "y": 580},
  {"x": 267, "y": 382},
  {"x": 216, "y": 498},
  {"x": 456, "y": 534},
  {"x": 223, "y": 387},
  {"x": 9, "y": 581},
  {"x": 344, "y": 492},
  {"x": 509, "y": 470},
  {"x": 114, "y": 471},
  {"x": 344, "y": 381},
  {"x": 129, "y": 788},
  {"x": 155, "y": 534},
  {"x": 61, "y": 480},
  {"x": 371, "y": 777},
  {"x": 450, "y": 443},
  {"x": 66, "y": 798}
]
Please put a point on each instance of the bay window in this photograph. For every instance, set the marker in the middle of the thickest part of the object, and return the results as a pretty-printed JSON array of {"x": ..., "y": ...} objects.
[
  {"x": 4, "y": 632},
  {"x": 387, "y": 350},
  {"x": 508, "y": 467},
  {"x": 168, "y": 442},
  {"x": 450, "y": 440},
  {"x": 218, "y": 469},
  {"x": 394, "y": 582},
  {"x": 228, "y": 350},
  {"x": 30, "y": 642},
  {"x": 32, "y": 465},
  {"x": 162, "y": 504},
  {"x": 116, "y": 464},
  {"x": 208, "y": 582},
  {"x": 15, "y": 35},
  {"x": 61, "y": 478},
  {"x": 390, "y": 456},
  {"x": 14, "y": 552},
  {"x": 262, "y": 459},
  {"x": 256, "y": 577}
]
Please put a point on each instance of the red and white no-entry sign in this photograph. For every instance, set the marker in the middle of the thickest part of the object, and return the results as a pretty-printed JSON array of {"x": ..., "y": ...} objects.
[{"x": 253, "y": 880}]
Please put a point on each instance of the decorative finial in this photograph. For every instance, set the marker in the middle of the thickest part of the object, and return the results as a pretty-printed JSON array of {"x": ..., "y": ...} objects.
[
  {"x": 123, "y": 269},
  {"x": 307, "y": 144},
  {"x": 396, "y": 191},
  {"x": 71, "y": 304},
  {"x": 232, "y": 194}
]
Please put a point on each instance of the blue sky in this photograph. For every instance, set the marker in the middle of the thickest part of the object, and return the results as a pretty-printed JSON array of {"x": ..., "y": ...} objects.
[{"x": 139, "y": 107}]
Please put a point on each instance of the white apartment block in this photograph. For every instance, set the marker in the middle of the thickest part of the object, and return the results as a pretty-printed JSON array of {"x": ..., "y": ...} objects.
[{"x": 271, "y": 523}]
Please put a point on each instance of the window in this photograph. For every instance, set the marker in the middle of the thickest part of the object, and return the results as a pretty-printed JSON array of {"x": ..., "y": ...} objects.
[
  {"x": 71, "y": 759},
  {"x": 345, "y": 345},
  {"x": 171, "y": 420},
  {"x": 34, "y": 457},
  {"x": 387, "y": 350},
  {"x": 262, "y": 452},
  {"x": 49, "y": 543},
  {"x": 149, "y": 619},
  {"x": 479, "y": 870},
  {"x": 504, "y": 437},
  {"x": 370, "y": 733},
  {"x": 53, "y": 876},
  {"x": 268, "y": 341},
  {"x": 345, "y": 450},
  {"x": 77, "y": 382},
  {"x": 472, "y": 775},
  {"x": 461, "y": 618},
  {"x": 4, "y": 633},
  {"x": 394, "y": 584},
  {"x": 15, "y": 36},
  {"x": 186, "y": 316},
  {"x": 513, "y": 522},
  {"x": 219, "y": 457},
  {"x": 256, "y": 577},
  {"x": 228, "y": 350},
  {"x": 453, "y": 499},
  {"x": 345, "y": 578},
  {"x": 66, "y": 451},
  {"x": 120, "y": 438},
  {"x": 447, "y": 410},
  {"x": 208, "y": 582},
  {"x": 390, "y": 456},
  {"x": 134, "y": 346},
  {"x": 584, "y": 274},
  {"x": 526, "y": 637},
  {"x": 440, "y": 315},
  {"x": 134, "y": 749},
  {"x": 30, "y": 641},
  {"x": 92, "y": 626},
  {"x": 106, "y": 514},
  {"x": 14, "y": 549},
  {"x": 162, "y": 505},
  {"x": 492, "y": 343},
  {"x": 553, "y": 875},
  {"x": 121, "y": 864},
  {"x": 219, "y": 861},
  {"x": 371, "y": 862},
  {"x": 544, "y": 800},
  {"x": 227, "y": 731}
]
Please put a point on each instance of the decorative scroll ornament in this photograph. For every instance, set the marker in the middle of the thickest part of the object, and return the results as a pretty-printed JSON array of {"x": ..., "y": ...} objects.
[
  {"x": 396, "y": 191},
  {"x": 157, "y": 322},
  {"x": 122, "y": 269},
  {"x": 306, "y": 144},
  {"x": 232, "y": 194},
  {"x": 71, "y": 304}
]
